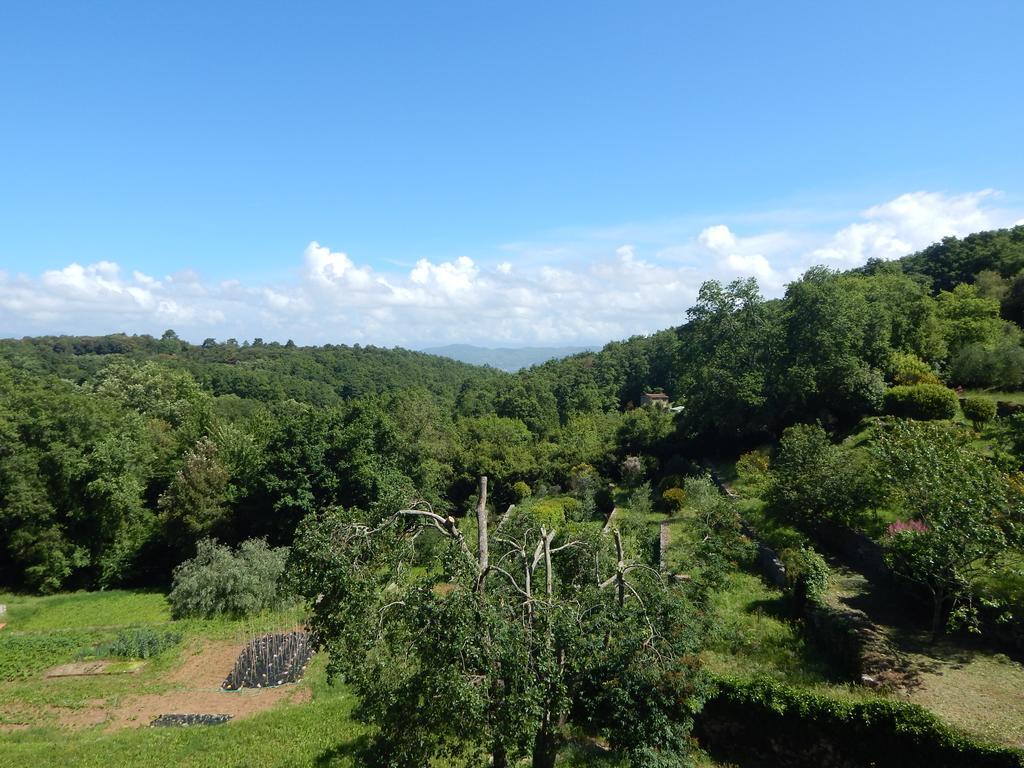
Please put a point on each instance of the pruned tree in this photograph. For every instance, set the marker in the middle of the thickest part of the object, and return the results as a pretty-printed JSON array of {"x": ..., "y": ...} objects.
[{"x": 502, "y": 646}]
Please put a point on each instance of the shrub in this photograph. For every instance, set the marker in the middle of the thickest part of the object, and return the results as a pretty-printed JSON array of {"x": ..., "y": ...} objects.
[
  {"x": 219, "y": 581},
  {"x": 813, "y": 480},
  {"x": 140, "y": 643},
  {"x": 674, "y": 498},
  {"x": 553, "y": 512},
  {"x": 583, "y": 477},
  {"x": 752, "y": 469},
  {"x": 632, "y": 470},
  {"x": 521, "y": 490},
  {"x": 807, "y": 575},
  {"x": 639, "y": 501},
  {"x": 979, "y": 411},
  {"x": 978, "y": 365},
  {"x": 574, "y": 509},
  {"x": 907, "y": 369},
  {"x": 924, "y": 402},
  {"x": 764, "y": 722}
]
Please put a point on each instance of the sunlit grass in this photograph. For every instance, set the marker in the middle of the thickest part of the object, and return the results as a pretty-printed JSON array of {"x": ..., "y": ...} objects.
[
  {"x": 77, "y": 610},
  {"x": 753, "y": 637},
  {"x": 997, "y": 396}
]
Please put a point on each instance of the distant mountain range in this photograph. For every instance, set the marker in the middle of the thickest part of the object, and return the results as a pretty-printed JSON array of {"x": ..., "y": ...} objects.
[{"x": 507, "y": 359}]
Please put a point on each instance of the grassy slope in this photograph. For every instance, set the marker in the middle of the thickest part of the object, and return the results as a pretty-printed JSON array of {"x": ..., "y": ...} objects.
[
  {"x": 969, "y": 687},
  {"x": 319, "y": 733},
  {"x": 962, "y": 680}
]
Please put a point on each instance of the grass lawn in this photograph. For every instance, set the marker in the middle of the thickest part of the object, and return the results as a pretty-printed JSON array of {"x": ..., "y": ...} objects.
[
  {"x": 753, "y": 638},
  {"x": 994, "y": 396},
  {"x": 963, "y": 682}
]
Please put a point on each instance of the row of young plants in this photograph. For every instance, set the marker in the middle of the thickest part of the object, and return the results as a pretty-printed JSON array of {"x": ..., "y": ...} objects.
[{"x": 25, "y": 654}]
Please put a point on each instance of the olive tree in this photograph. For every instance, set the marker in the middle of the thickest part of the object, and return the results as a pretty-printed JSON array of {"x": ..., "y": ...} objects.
[{"x": 515, "y": 635}]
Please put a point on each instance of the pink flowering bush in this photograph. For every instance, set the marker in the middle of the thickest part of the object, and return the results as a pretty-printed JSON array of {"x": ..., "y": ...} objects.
[{"x": 914, "y": 526}]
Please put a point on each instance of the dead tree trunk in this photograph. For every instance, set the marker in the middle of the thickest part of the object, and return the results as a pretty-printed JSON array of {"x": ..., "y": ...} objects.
[{"x": 482, "y": 546}]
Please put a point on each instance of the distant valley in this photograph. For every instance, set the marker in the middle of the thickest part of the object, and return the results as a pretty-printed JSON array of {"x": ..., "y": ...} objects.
[{"x": 507, "y": 359}]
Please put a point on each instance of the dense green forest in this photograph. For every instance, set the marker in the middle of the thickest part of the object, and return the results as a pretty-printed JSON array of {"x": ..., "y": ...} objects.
[
  {"x": 119, "y": 453},
  {"x": 549, "y": 556}
]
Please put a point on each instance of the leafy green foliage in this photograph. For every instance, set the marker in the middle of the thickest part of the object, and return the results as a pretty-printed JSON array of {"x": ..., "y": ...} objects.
[
  {"x": 674, "y": 498},
  {"x": 119, "y": 453},
  {"x": 140, "y": 643},
  {"x": 921, "y": 401},
  {"x": 970, "y": 513},
  {"x": 195, "y": 501},
  {"x": 639, "y": 501},
  {"x": 807, "y": 576},
  {"x": 24, "y": 655},
  {"x": 906, "y": 368},
  {"x": 978, "y": 410},
  {"x": 956, "y": 260},
  {"x": 521, "y": 490},
  {"x": 752, "y": 468},
  {"x": 777, "y": 719},
  {"x": 222, "y": 582},
  {"x": 997, "y": 365},
  {"x": 513, "y": 653},
  {"x": 814, "y": 481}
]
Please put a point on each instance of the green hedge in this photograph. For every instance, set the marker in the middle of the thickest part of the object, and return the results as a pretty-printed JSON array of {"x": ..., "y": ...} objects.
[
  {"x": 922, "y": 401},
  {"x": 978, "y": 410},
  {"x": 763, "y": 722}
]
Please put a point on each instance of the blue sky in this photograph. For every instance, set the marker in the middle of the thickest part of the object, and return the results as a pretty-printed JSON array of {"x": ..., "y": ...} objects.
[{"x": 513, "y": 153}]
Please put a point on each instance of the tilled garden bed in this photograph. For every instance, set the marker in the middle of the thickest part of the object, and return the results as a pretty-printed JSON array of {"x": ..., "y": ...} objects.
[{"x": 178, "y": 721}]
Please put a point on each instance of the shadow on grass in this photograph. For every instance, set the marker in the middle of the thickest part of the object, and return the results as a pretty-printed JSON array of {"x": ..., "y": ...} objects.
[
  {"x": 354, "y": 752},
  {"x": 776, "y": 607}
]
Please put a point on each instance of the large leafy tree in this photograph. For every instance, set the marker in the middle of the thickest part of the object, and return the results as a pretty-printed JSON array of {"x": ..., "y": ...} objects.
[
  {"x": 963, "y": 514},
  {"x": 515, "y": 633},
  {"x": 814, "y": 481},
  {"x": 194, "y": 505},
  {"x": 825, "y": 371},
  {"x": 73, "y": 470},
  {"x": 725, "y": 359}
]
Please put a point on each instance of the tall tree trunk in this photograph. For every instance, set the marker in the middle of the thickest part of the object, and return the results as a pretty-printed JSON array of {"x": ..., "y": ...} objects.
[
  {"x": 482, "y": 544},
  {"x": 545, "y": 749},
  {"x": 499, "y": 758},
  {"x": 937, "y": 600}
]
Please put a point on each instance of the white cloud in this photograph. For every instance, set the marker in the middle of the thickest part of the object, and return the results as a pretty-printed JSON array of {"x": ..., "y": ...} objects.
[
  {"x": 449, "y": 277},
  {"x": 332, "y": 269},
  {"x": 573, "y": 290},
  {"x": 717, "y": 238},
  {"x": 909, "y": 222}
]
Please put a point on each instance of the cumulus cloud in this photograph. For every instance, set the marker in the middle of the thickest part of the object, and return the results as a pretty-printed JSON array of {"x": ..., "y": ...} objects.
[
  {"x": 909, "y": 222},
  {"x": 538, "y": 293}
]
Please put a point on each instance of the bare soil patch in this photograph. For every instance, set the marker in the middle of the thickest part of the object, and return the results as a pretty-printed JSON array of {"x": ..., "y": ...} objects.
[
  {"x": 81, "y": 668},
  {"x": 196, "y": 680}
]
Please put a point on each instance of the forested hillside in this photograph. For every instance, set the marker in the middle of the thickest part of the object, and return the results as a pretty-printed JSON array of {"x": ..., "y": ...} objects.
[
  {"x": 119, "y": 453},
  {"x": 558, "y": 526},
  {"x": 506, "y": 359}
]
